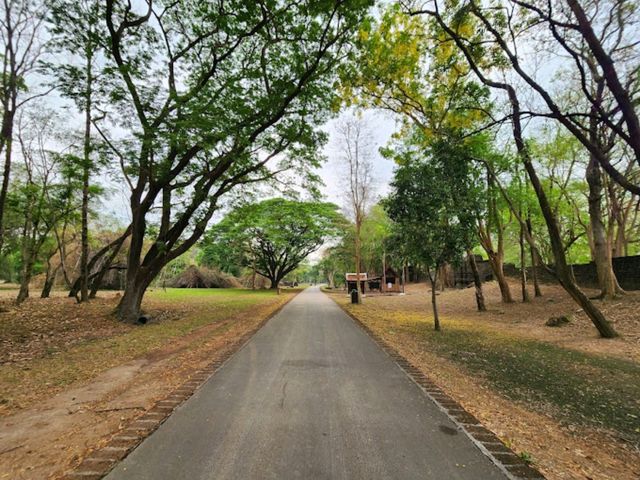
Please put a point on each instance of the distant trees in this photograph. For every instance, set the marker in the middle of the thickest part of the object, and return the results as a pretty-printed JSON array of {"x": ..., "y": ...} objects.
[
  {"x": 272, "y": 237},
  {"x": 42, "y": 195}
]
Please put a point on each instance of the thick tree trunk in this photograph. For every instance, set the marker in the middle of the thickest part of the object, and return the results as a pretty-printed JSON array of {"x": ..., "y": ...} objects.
[
  {"x": 601, "y": 247},
  {"x": 496, "y": 264},
  {"x": 434, "y": 302},
  {"x": 138, "y": 276},
  {"x": 477, "y": 282},
  {"x": 129, "y": 307}
]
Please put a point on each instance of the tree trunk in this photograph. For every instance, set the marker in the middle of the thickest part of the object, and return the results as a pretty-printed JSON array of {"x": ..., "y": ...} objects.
[
  {"x": 129, "y": 307},
  {"x": 562, "y": 268},
  {"x": 357, "y": 241},
  {"x": 49, "y": 280},
  {"x": 330, "y": 279},
  {"x": 7, "y": 139},
  {"x": 253, "y": 275},
  {"x": 477, "y": 281},
  {"x": 601, "y": 248},
  {"x": 116, "y": 245},
  {"x": 495, "y": 262},
  {"x": 84, "y": 255},
  {"x": 434, "y": 302},
  {"x": 534, "y": 263},
  {"x": 523, "y": 267},
  {"x": 25, "y": 280},
  {"x": 496, "y": 258}
]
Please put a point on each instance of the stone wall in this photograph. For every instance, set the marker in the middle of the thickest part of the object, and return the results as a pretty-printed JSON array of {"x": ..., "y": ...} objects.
[{"x": 627, "y": 270}]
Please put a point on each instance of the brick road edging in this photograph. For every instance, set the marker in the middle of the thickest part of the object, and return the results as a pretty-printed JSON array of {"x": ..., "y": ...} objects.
[
  {"x": 98, "y": 463},
  {"x": 514, "y": 467}
]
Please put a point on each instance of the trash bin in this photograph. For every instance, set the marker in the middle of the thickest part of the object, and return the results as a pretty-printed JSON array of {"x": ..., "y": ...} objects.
[{"x": 354, "y": 296}]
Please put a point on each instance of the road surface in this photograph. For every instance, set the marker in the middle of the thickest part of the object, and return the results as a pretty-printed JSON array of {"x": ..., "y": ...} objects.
[{"x": 311, "y": 396}]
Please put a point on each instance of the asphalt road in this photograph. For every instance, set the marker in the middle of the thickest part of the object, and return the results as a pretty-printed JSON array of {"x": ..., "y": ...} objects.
[{"x": 309, "y": 397}]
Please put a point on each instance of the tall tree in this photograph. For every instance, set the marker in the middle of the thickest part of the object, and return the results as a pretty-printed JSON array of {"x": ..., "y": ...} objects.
[
  {"x": 214, "y": 97},
  {"x": 274, "y": 236},
  {"x": 434, "y": 204},
  {"x": 78, "y": 31},
  {"x": 43, "y": 192},
  {"x": 474, "y": 47},
  {"x": 20, "y": 29},
  {"x": 356, "y": 150}
]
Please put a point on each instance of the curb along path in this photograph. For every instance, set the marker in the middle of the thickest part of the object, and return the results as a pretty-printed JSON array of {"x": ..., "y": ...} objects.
[{"x": 501, "y": 455}]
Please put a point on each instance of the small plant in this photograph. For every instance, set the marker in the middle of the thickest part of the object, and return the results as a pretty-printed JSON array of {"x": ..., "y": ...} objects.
[{"x": 526, "y": 457}]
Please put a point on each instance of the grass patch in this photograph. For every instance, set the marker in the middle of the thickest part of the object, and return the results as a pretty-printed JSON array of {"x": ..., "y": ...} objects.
[{"x": 23, "y": 382}]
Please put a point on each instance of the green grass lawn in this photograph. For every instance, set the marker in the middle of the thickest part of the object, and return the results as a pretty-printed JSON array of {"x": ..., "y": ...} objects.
[{"x": 180, "y": 312}]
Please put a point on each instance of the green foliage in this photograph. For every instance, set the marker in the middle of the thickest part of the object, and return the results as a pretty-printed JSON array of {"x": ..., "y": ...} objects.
[
  {"x": 273, "y": 237},
  {"x": 434, "y": 200}
]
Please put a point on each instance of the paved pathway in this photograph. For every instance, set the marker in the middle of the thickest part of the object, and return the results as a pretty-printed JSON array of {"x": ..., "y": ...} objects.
[{"x": 309, "y": 397}]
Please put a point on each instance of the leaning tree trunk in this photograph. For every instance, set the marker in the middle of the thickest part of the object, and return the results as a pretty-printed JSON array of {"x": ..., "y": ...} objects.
[
  {"x": 562, "y": 268},
  {"x": 477, "y": 281},
  {"x": 116, "y": 245},
  {"x": 496, "y": 264},
  {"x": 49, "y": 280}
]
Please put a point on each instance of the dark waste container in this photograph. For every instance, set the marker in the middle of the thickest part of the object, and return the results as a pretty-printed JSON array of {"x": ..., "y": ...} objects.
[{"x": 354, "y": 296}]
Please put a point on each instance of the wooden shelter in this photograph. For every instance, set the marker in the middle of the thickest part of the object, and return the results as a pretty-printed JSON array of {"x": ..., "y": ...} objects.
[
  {"x": 389, "y": 282},
  {"x": 352, "y": 280}
]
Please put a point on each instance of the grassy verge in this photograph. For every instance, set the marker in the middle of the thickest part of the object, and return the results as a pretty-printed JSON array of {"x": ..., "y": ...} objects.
[
  {"x": 573, "y": 387},
  {"x": 184, "y": 311}
]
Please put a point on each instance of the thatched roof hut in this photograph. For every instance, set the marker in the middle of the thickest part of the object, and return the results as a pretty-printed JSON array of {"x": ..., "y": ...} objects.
[{"x": 194, "y": 277}]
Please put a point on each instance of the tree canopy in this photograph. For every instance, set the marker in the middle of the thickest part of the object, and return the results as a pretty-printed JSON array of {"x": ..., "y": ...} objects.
[{"x": 272, "y": 237}]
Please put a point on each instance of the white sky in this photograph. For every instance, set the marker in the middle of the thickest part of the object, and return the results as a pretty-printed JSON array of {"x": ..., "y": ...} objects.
[{"x": 381, "y": 127}]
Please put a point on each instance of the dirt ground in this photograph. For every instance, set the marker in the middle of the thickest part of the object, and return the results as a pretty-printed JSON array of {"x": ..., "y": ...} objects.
[
  {"x": 46, "y": 432},
  {"x": 561, "y": 450}
]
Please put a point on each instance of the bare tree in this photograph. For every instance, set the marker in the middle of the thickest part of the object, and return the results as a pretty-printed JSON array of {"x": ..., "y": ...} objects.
[
  {"x": 356, "y": 152},
  {"x": 20, "y": 25}
]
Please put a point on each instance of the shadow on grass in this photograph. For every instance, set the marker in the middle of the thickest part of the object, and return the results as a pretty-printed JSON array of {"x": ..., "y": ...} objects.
[{"x": 572, "y": 386}]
